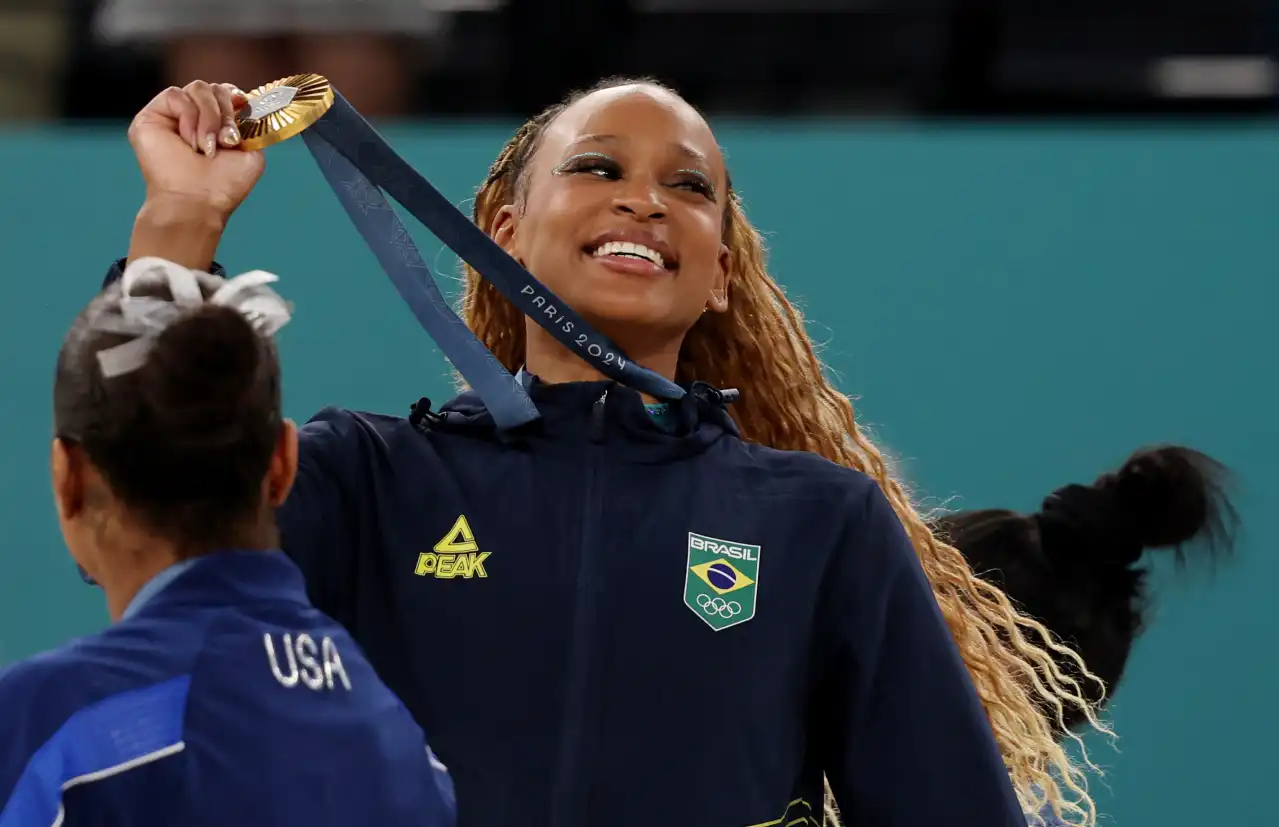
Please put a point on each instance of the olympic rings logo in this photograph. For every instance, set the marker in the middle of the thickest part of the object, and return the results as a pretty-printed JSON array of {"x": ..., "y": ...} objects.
[{"x": 719, "y": 606}]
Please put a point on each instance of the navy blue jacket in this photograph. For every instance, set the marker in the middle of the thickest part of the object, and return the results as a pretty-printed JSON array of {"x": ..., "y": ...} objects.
[
  {"x": 600, "y": 622},
  {"x": 223, "y": 698}
]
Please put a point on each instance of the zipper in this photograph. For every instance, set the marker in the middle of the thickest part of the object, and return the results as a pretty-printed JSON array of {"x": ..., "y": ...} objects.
[
  {"x": 571, "y": 794},
  {"x": 597, "y": 419}
]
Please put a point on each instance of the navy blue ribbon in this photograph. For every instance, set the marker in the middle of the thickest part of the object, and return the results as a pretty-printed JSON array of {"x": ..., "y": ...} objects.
[{"x": 363, "y": 170}]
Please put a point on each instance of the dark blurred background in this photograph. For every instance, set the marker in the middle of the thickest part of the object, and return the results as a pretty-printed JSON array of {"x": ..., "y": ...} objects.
[{"x": 94, "y": 59}]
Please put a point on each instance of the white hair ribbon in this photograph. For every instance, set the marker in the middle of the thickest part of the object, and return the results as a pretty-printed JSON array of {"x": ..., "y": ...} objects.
[{"x": 145, "y": 317}]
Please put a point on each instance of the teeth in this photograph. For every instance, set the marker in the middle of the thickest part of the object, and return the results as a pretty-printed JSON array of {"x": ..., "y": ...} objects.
[{"x": 626, "y": 248}]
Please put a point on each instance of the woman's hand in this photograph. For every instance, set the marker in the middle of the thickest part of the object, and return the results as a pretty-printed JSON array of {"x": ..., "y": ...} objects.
[{"x": 186, "y": 143}]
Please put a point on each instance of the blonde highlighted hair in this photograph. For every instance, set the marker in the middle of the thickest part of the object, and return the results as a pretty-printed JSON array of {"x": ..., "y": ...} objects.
[{"x": 760, "y": 347}]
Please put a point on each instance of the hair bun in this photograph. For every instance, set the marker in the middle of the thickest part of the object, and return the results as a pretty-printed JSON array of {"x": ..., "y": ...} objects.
[
  {"x": 1168, "y": 494},
  {"x": 201, "y": 372}
]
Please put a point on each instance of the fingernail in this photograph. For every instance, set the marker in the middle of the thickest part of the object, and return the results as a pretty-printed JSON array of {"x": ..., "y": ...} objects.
[
  {"x": 230, "y": 135},
  {"x": 210, "y": 144}
]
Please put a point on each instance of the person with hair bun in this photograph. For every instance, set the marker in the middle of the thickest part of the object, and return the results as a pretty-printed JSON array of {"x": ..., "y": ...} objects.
[
  {"x": 220, "y": 695},
  {"x": 1076, "y": 563},
  {"x": 629, "y": 612}
]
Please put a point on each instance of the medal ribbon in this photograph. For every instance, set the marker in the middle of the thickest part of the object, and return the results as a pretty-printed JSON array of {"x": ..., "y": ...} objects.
[{"x": 363, "y": 170}]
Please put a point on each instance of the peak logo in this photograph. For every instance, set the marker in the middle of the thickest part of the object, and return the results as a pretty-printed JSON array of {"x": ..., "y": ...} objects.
[{"x": 457, "y": 555}]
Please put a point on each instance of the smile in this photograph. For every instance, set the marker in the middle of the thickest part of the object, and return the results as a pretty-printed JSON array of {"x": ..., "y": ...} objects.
[{"x": 627, "y": 249}]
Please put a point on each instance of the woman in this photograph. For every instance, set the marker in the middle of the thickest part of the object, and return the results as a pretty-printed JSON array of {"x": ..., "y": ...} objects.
[
  {"x": 696, "y": 614},
  {"x": 1075, "y": 564},
  {"x": 220, "y": 695}
]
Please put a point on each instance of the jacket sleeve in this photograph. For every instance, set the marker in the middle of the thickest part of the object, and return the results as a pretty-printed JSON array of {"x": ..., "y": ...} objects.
[
  {"x": 329, "y": 515},
  {"x": 904, "y": 738},
  {"x": 116, "y": 270}
]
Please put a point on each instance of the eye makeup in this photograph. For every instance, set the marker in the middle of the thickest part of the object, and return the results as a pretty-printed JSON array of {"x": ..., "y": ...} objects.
[
  {"x": 703, "y": 181},
  {"x": 576, "y": 162},
  {"x": 605, "y": 166}
]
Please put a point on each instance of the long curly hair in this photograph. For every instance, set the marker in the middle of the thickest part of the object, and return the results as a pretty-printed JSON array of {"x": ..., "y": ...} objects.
[{"x": 760, "y": 347}]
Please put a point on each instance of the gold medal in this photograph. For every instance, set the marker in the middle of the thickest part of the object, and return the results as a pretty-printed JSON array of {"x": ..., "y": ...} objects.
[{"x": 280, "y": 110}]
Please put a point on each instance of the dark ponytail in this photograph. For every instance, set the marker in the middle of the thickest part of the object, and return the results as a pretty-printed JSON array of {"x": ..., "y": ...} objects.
[
  {"x": 1076, "y": 564},
  {"x": 185, "y": 440},
  {"x": 1160, "y": 498}
]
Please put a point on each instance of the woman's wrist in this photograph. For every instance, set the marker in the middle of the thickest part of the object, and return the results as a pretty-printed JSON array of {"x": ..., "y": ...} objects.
[{"x": 180, "y": 229}]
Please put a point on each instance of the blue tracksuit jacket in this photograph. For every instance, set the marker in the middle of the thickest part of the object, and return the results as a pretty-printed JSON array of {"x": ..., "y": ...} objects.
[
  {"x": 603, "y": 622},
  {"x": 223, "y": 698}
]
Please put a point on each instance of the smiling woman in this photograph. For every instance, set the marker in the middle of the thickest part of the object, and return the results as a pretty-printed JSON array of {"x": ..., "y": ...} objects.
[
  {"x": 639, "y": 169},
  {"x": 822, "y": 633},
  {"x": 636, "y": 178}
]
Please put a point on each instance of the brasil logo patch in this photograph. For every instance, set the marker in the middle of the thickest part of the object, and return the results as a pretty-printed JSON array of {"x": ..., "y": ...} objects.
[{"x": 721, "y": 581}]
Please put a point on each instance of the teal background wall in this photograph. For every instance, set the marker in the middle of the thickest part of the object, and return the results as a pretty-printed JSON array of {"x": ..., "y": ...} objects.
[{"x": 1016, "y": 307}]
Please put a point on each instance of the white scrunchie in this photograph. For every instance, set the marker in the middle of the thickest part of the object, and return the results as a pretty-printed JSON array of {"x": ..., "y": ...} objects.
[{"x": 146, "y": 317}]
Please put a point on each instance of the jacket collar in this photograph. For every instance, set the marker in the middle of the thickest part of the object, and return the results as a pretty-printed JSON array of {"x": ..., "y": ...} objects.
[
  {"x": 576, "y": 414},
  {"x": 221, "y": 578}
]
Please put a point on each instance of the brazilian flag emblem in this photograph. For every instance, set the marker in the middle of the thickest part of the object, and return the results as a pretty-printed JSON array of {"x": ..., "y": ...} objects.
[{"x": 722, "y": 580}]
